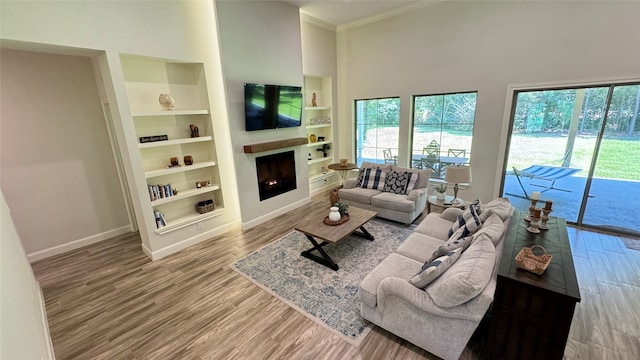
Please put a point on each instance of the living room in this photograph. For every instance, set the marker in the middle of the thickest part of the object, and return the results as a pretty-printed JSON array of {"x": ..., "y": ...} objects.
[{"x": 462, "y": 46}]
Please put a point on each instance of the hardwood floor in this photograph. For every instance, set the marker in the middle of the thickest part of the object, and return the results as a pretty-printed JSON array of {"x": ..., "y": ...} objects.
[{"x": 109, "y": 301}]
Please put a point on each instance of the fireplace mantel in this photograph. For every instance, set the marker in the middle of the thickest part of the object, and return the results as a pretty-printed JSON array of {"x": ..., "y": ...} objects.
[{"x": 272, "y": 145}]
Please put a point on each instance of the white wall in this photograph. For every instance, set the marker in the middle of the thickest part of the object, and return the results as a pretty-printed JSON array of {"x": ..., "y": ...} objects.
[
  {"x": 23, "y": 328},
  {"x": 57, "y": 167},
  {"x": 319, "y": 58},
  {"x": 260, "y": 43},
  {"x": 178, "y": 30},
  {"x": 484, "y": 46}
]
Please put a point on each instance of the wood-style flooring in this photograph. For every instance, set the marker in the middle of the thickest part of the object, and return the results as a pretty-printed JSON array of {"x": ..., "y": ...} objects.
[{"x": 109, "y": 301}]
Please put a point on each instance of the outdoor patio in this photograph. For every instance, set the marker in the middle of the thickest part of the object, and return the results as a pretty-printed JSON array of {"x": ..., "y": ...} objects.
[{"x": 612, "y": 203}]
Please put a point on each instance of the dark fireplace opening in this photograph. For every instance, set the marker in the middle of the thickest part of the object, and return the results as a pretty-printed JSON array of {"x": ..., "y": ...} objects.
[{"x": 276, "y": 174}]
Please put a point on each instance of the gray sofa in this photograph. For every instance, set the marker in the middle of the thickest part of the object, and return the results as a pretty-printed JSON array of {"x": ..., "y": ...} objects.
[
  {"x": 442, "y": 316},
  {"x": 404, "y": 208}
]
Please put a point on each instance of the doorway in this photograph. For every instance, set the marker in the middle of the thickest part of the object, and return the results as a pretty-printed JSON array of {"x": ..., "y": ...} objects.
[{"x": 580, "y": 148}]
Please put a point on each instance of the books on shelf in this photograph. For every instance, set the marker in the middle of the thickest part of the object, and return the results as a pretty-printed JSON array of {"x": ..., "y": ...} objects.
[
  {"x": 160, "y": 221},
  {"x": 160, "y": 191}
]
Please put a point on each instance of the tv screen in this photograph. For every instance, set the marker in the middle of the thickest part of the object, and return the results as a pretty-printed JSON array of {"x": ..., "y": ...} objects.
[{"x": 272, "y": 106}]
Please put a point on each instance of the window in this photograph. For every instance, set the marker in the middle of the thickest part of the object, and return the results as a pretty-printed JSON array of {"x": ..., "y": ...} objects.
[
  {"x": 442, "y": 131},
  {"x": 377, "y": 122}
]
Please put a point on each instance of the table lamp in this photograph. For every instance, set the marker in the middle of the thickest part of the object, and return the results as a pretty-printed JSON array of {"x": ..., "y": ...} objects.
[{"x": 457, "y": 174}]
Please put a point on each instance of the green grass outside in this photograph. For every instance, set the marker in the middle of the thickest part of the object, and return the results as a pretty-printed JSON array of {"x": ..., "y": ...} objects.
[{"x": 618, "y": 158}]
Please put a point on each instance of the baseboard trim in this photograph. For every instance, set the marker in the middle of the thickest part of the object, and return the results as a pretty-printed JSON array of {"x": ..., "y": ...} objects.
[
  {"x": 257, "y": 221},
  {"x": 43, "y": 313},
  {"x": 168, "y": 250},
  {"x": 76, "y": 244}
]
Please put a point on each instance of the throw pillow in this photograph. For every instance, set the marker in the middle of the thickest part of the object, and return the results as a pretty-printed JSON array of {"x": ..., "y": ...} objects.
[
  {"x": 501, "y": 206},
  {"x": 450, "y": 246},
  {"x": 395, "y": 182},
  {"x": 432, "y": 269},
  {"x": 466, "y": 224},
  {"x": 422, "y": 181},
  {"x": 414, "y": 178},
  {"x": 493, "y": 227},
  {"x": 373, "y": 179},
  {"x": 467, "y": 277}
]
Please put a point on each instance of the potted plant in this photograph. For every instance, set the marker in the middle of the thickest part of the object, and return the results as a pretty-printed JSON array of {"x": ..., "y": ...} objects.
[
  {"x": 441, "y": 190},
  {"x": 342, "y": 208}
]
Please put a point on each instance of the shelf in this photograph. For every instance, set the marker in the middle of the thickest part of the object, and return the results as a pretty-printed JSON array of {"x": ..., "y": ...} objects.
[
  {"x": 317, "y": 108},
  {"x": 174, "y": 142},
  {"x": 273, "y": 145},
  {"x": 318, "y": 143},
  {"x": 188, "y": 220},
  {"x": 171, "y": 113},
  {"x": 319, "y": 160},
  {"x": 185, "y": 194},
  {"x": 178, "y": 169},
  {"x": 317, "y": 126}
]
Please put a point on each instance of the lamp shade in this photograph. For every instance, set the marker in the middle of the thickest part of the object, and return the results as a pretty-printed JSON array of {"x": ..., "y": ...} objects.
[{"x": 457, "y": 174}]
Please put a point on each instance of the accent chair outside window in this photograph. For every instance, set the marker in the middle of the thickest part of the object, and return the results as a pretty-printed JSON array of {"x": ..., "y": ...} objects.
[
  {"x": 377, "y": 124},
  {"x": 442, "y": 131}
]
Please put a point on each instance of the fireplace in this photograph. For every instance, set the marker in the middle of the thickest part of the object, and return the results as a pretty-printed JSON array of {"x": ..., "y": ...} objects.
[{"x": 276, "y": 174}]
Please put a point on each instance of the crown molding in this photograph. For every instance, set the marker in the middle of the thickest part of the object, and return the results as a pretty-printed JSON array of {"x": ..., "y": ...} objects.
[
  {"x": 382, "y": 16},
  {"x": 315, "y": 21}
]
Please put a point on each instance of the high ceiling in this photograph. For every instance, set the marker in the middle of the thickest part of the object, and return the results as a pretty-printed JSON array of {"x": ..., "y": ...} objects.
[{"x": 341, "y": 12}]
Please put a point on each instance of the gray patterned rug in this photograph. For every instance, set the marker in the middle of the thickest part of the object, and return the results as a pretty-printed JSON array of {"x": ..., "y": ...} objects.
[{"x": 328, "y": 297}]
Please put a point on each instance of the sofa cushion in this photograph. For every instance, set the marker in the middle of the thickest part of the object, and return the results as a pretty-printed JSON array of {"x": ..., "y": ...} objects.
[
  {"x": 423, "y": 175},
  {"x": 358, "y": 194},
  {"x": 450, "y": 246},
  {"x": 466, "y": 224},
  {"x": 501, "y": 206},
  {"x": 434, "y": 268},
  {"x": 467, "y": 277},
  {"x": 391, "y": 201},
  {"x": 393, "y": 265},
  {"x": 373, "y": 179},
  {"x": 419, "y": 246},
  {"x": 434, "y": 225},
  {"x": 493, "y": 227}
]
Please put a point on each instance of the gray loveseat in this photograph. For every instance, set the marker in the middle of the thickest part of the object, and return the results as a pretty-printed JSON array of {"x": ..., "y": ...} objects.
[
  {"x": 404, "y": 207},
  {"x": 442, "y": 316}
]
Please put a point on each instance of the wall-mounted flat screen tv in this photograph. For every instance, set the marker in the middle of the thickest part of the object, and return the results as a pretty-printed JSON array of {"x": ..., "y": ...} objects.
[{"x": 272, "y": 106}]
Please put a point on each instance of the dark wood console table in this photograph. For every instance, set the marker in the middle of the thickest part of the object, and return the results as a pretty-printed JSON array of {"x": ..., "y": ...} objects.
[{"x": 532, "y": 313}]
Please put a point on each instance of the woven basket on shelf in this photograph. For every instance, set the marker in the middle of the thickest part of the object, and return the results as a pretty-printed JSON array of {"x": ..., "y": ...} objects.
[
  {"x": 529, "y": 261},
  {"x": 205, "y": 206}
]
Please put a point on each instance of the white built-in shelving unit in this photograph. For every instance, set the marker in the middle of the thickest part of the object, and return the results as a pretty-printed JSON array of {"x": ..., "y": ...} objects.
[
  {"x": 145, "y": 80},
  {"x": 318, "y": 121}
]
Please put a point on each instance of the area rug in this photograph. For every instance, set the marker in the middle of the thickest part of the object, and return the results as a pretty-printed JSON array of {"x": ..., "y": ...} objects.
[{"x": 327, "y": 297}]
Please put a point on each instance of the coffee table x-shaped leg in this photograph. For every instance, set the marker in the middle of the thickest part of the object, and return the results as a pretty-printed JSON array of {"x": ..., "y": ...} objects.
[{"x": 325, "y": 259}]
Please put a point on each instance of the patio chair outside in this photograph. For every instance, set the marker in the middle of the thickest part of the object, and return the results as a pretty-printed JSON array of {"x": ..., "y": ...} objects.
[
  {"x": 431, "y": 159},
  {"x": 457, "y": 152},
  {"x": 389, "y": 158}
]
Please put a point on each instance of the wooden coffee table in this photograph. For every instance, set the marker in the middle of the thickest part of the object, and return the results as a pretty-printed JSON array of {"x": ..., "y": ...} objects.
[{"x": 314, "y": 227}]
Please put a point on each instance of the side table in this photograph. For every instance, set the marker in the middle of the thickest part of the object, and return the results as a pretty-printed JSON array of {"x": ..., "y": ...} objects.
[
  {"x": 342, "y": 170},
  {"x": 438, "y": 206}
]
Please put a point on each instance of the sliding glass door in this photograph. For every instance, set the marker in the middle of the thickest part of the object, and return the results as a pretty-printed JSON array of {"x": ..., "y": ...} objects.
[{"x": 579, "y": 147}]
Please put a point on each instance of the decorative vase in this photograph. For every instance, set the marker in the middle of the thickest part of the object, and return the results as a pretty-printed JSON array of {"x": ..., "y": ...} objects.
[
  {"x": 440, "y": 196},
  {"x": 334, "y": 215},
  {"x": 166, "y": 101}
]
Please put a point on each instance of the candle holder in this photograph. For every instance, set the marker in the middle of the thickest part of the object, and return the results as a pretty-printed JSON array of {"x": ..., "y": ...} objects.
[
  {"x": 532, "y": 208},
  {"x": 543, "y": 219},
  {"x": 535, "y": 221}
]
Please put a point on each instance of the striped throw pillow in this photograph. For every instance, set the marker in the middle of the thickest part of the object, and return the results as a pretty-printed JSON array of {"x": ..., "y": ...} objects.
[{"x": 373, "y": 179}]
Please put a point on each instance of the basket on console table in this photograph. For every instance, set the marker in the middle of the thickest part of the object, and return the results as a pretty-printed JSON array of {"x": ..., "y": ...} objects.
[
  {"x": 529, "y": 261},
  {"x": 205, "y": 206}
]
